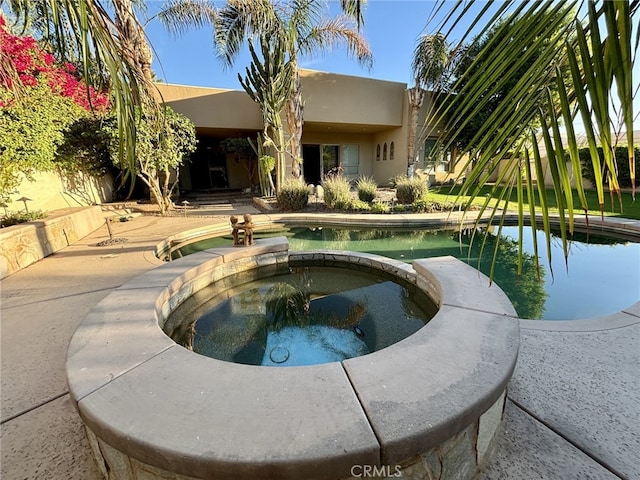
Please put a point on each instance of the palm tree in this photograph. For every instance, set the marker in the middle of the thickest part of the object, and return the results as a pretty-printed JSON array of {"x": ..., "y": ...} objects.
[
  {"x": 303, "y": 30},
  {"x": 598, "y": 46},
  {"x": 432, "y": 61}
]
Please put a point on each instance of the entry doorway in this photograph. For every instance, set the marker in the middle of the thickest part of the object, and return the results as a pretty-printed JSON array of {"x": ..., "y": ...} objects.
[
  {"x": 208, "y": 167},
  {"x": 320, "y": 160},
  {"x": 311, "y": 165},
  {"x": 328, "y": 159}
]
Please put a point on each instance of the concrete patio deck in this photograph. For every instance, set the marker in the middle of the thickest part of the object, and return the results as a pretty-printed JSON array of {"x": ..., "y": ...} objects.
[{"x": 574, "y": 401}]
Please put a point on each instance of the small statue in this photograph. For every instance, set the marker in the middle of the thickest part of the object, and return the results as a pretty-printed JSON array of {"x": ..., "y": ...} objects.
[
  {"x": 246, "y": 227},
  {"x": 234, "y": 230}
]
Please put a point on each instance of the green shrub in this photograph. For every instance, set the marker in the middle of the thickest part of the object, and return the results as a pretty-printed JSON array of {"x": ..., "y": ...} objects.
[
  {"x": 336, "y": 192},
  {"x": 393, "y": 181},
  {"x": 21, "y": 217},
  {"x": 429, "y": 206},
  {"x": 408, "y": 190},
  {"x": 622, "y": 160},
  {"x": 380, "y": 207},
  {"x": 293, "y": 195},
  {"x": 367, "y": 188},
  {"x": 401, "y": 208},
  {"x": 422, "y": 205},
  {"x": 359, "y": 206}
]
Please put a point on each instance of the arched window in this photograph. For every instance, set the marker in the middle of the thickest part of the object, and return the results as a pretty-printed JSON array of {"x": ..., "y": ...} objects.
[
  {"x": 392, "y": 151},
  {"x": 384, "y": 151},
  {"x": 378, "y": 153}
]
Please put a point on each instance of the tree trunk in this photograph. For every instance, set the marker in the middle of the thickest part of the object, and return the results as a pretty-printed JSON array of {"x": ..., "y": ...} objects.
[
  {"x": 151, "y": 181},
  {"x": 295, "y": 121},
  {"x": 132, "y": 38},
  {"x": 416, "y": 96}
]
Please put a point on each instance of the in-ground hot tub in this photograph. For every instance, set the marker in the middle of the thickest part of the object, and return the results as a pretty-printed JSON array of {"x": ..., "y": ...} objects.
[{"x": 431, "y": 403}]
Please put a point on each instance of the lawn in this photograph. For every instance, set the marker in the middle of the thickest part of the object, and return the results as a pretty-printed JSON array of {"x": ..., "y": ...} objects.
[{"x": 630, "y": 208}]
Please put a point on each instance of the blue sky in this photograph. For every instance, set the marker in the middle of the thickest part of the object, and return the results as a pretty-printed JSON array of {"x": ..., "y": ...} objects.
[{"x": 392, "y": 28}]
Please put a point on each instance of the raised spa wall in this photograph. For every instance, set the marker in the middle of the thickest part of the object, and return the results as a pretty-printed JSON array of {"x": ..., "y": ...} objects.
[{"x": 428, "y": 407}]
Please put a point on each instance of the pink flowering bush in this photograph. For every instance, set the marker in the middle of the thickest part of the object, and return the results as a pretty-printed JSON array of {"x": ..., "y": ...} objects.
[
  {"x": 35, "y": 66},
  {"x": 33, "y": 123}
]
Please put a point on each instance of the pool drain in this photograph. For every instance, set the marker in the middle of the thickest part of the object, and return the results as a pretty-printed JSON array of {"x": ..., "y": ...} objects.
[{"x": 279, "y": 354}]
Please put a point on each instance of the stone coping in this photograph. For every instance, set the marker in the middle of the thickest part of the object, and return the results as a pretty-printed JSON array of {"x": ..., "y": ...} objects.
[
  {"x": 624, "y": 318},
  {"x": 181, "y": 412}
]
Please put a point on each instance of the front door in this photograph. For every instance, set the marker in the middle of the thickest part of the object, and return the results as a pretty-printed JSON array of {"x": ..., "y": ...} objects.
[{"x": 311, "y": 164}]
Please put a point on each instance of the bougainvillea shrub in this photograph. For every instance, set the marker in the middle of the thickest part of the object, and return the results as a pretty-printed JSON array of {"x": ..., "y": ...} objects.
[
  {"x": 35, "y": 113},
  {"x": 34, "y": 66}
]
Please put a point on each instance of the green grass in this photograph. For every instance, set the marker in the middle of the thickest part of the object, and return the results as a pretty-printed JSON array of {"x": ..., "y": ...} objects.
[{"x": 630, "y": 208}]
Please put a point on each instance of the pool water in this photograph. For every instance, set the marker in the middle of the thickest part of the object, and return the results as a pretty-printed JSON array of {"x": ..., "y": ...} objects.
[
  {"x": 603, "y": 274},
  {"x": 308, "y": 316}
]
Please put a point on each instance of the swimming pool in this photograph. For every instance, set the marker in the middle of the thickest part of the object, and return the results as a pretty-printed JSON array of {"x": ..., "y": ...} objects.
[{"x": 603, "y": 274}]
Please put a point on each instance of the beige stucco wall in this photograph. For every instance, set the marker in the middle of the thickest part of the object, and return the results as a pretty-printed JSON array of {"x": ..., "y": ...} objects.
[
  {"x": 213, "y": 107},
  {"x": 50, "y": 191},
  {"x": 384, "y": 170},
  {"x": 344, "y": 99},
  {"x": 328, "y": 97}
]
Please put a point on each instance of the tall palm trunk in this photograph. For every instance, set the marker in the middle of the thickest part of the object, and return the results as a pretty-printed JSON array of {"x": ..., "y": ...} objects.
[
  {"x": 138, "y": 52},
  {"x": 295, "y": 120},
  {"x": 134, "y": 42},
  {"x": 416, "y": 96}
]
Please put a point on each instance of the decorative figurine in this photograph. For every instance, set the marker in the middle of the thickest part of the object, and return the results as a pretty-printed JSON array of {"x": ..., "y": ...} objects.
[{"x": 246, "y": 227}]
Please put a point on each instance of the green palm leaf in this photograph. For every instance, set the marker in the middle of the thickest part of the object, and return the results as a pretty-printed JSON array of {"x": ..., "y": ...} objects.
[{"x": 568, "y": 63}]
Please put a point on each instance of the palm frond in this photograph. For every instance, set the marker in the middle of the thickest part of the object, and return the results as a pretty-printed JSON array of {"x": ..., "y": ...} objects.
[
  {"x": 178, "y": 16},
  {"x": 239, "y": 20},
  {"x": 332, "y": 32},
  {"x": 432, "y": 60},
  {"x": 567, "y": 61},
  {"x": 355, "y": 10}
]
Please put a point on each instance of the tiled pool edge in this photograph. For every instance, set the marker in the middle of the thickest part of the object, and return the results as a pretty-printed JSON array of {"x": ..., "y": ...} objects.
[{"x": 111, "y": 379}]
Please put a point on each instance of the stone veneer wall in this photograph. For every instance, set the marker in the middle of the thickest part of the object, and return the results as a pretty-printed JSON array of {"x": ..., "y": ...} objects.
[
  {"x": 459, "y": 458},
  {"x": 24, "y": 244}
]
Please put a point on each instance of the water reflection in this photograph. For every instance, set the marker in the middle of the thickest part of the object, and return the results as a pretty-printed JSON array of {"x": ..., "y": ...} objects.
[
  {"x": 308, "y": 316},
  {"x": 603, "y": 275}
]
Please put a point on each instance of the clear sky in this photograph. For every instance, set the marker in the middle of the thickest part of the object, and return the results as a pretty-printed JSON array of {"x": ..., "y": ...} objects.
[{"x": 392, "y": 28}]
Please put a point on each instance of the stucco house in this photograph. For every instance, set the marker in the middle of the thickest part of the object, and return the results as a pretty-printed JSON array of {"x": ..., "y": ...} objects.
[{"x": 360, "y": 124}]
